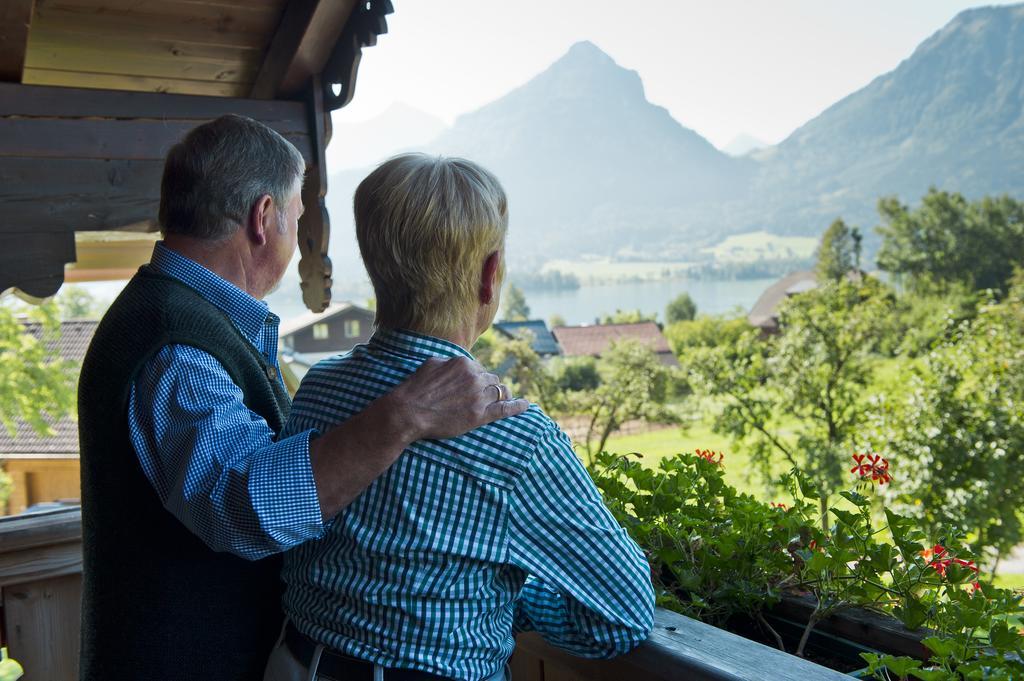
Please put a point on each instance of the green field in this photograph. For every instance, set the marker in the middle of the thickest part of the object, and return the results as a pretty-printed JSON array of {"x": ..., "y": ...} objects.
[
  {"x": 756, "y": 246},
  {"x": 604, "y": 270},
  {"x": 658, "y": 444}
]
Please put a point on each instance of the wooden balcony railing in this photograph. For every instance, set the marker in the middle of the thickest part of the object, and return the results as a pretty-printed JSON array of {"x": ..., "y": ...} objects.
[{"x": 40, "y": 592}]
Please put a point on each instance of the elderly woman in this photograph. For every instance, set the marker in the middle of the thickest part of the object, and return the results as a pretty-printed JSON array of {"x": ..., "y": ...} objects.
[{"x": 463, "y": 542}]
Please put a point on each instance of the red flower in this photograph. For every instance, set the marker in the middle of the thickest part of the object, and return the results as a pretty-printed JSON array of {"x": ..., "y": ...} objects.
[
  {"x": 940, "y": 561},
  {"x": 709, "y": 456},
  {"x": 779, "y": 506},
  {"x": 873, "y": 466}
]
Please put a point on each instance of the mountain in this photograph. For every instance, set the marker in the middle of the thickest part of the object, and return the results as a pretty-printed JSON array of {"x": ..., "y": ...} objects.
[
  {"x": 592, "y": 168},
  {"x": 743, "y": 144},
  {"x": 951, "y": 115},
  {"x": 589, "y": 164}
]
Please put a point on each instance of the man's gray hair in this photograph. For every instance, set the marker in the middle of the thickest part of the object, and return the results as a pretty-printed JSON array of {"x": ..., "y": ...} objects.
[{"x": 216, "y": 174}]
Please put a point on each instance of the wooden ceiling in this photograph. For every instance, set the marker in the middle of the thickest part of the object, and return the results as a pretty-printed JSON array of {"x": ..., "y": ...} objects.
[
  {"x": 94, "y": 92},
  {"x": 194, "y": 47}
]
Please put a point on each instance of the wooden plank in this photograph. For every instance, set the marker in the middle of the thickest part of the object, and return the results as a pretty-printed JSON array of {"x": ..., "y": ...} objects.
[
  {"x": 153, "y": 59},
  {"x": 39, "y": 529},
  {"x": 76, "y": 194},
  {"x": 163, "y": 21},
  {"x": 41, "y": 562},
  {"x": 34, "y": 261},
  {"x": 15, "y": 18},
  {"x": 43, "y": 627},
  {"x": 106, "y": 81},
  {"x": 143, "y": 139},
  {"x": 683, "y": 648},
  {"x": 38, "y": 100},
  {"x": 304, "y": 40}
]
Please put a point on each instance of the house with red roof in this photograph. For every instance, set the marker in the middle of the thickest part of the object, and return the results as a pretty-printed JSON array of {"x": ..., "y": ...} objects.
[{"x": 594, "y": 340}]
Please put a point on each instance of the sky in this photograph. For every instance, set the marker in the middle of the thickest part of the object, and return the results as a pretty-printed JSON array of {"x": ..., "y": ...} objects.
[{"x": 721, "y": 67}]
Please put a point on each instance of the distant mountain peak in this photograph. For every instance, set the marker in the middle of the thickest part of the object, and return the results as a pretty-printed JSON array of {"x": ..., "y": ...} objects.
[
  {"x": 588, "y": 50},
  {"x": 743, "y": 144}
]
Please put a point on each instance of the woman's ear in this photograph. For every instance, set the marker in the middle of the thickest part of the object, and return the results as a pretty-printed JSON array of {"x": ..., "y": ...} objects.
[{"x": 489, "y": 283}]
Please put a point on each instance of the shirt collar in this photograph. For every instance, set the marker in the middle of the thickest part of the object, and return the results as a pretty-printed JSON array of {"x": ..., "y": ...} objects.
[
  {"x": 416, "y": 345},
  {"x": 247, "y": 313}
]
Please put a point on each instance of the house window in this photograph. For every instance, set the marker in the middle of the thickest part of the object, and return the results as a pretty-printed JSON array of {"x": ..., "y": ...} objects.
[
  {"x": 320, "y": 331},
  {"x": 351, "y": 328}
]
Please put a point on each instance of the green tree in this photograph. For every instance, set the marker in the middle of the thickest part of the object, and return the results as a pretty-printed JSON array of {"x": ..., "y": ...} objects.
[
  {"x": 523, "y": 371},
  {"x": 516, "y": 309},
  {"x": 956, "y": 433},
  {"x": 556, "y": 320},
  {"x": 75, "y": 302},
  {"x": 799, "y": 395},
  {"x": 628, "y": 317},
  {"x": 681, "y": 309},
  {"x": 634, "y": 385},
  {"x": 37, "y": 386},
  {"x": 839, "y": 251},
  {"x": 705, "y": 331},
  {"x": 949, "y": 240},
  {"x": 576, "y": 374}
]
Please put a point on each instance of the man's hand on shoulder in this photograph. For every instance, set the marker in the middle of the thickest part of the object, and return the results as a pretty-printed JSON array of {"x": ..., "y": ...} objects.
[{"x": 446, "y": 398}]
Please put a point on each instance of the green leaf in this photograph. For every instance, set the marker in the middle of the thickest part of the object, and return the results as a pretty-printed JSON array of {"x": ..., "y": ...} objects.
[
  {"x": 942, "y": 648},
  {"x": 1003, "y": 637},
  {"x": 912, "y": 613},
  {"x": 855, "y": 498},
  {"x": 900, "y": 666}
]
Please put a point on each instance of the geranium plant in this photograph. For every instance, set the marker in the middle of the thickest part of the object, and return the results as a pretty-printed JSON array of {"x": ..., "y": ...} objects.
[{"x": 716, "y": 553}]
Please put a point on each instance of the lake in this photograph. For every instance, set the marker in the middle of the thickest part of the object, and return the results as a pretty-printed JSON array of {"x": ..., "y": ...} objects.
[
  {"x": 581, "y": 306},
  {"x": 588, "y": 303}
]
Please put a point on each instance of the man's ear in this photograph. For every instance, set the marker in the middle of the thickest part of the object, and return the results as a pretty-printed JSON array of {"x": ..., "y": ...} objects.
[
  {"x": 261, "y": 219},
  {"x": 489, "y": 283}
]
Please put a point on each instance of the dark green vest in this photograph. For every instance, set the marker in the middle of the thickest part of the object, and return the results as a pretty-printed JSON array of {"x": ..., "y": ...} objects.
[{"x": 157, "y": 603}]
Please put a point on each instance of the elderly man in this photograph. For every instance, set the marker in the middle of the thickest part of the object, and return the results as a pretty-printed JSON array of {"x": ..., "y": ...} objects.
[
  {"x": 186, "y": 487},
  {"x": 465, "y": 540}
]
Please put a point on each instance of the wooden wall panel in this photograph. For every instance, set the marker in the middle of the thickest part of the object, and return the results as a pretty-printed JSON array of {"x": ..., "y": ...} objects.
[
  {"x": 76, "y": 194},
  {"x": 42, "y": 621}
]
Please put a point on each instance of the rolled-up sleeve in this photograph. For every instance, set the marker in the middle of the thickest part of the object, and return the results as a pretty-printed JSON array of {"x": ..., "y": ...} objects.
[
  {"x": 214, "y": 463},
  {"x": 589, "y": 589}
]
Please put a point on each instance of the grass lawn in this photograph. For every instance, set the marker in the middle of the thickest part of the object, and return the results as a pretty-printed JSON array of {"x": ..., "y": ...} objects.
[
  {"x": 656, "y": 445},
  {"x": 1009, "y": 581}
]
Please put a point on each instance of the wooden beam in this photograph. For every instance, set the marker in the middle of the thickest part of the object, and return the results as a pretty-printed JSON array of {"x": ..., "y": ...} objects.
[
  {"x": 67, "y": 102},
  {"x": 33, "y": 262},
  {"x": 52, "y": 122},
  {"x": 315, "y": 269},
  {"x": 303, "y": 42},
  {"x": 76, "y": 194},
  {"x": 15, "y": 18}
]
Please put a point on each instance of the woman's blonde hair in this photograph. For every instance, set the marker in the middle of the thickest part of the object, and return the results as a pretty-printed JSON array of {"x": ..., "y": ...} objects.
[{"x": 425, "y": 225}]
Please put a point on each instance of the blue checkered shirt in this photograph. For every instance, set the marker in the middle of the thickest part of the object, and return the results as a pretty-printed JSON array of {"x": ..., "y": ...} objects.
[
  {"x": 461, "y": 542},
  {"x": 214, "y": 463}
]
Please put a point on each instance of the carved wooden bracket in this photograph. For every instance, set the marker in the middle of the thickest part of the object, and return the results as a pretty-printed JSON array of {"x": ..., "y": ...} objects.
[
  {"x": 339, "y": 75},
  {"x": 315, "y": 224}
]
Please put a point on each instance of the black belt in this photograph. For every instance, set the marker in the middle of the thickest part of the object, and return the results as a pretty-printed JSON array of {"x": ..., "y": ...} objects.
[{"x": 342, "y": 667}]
